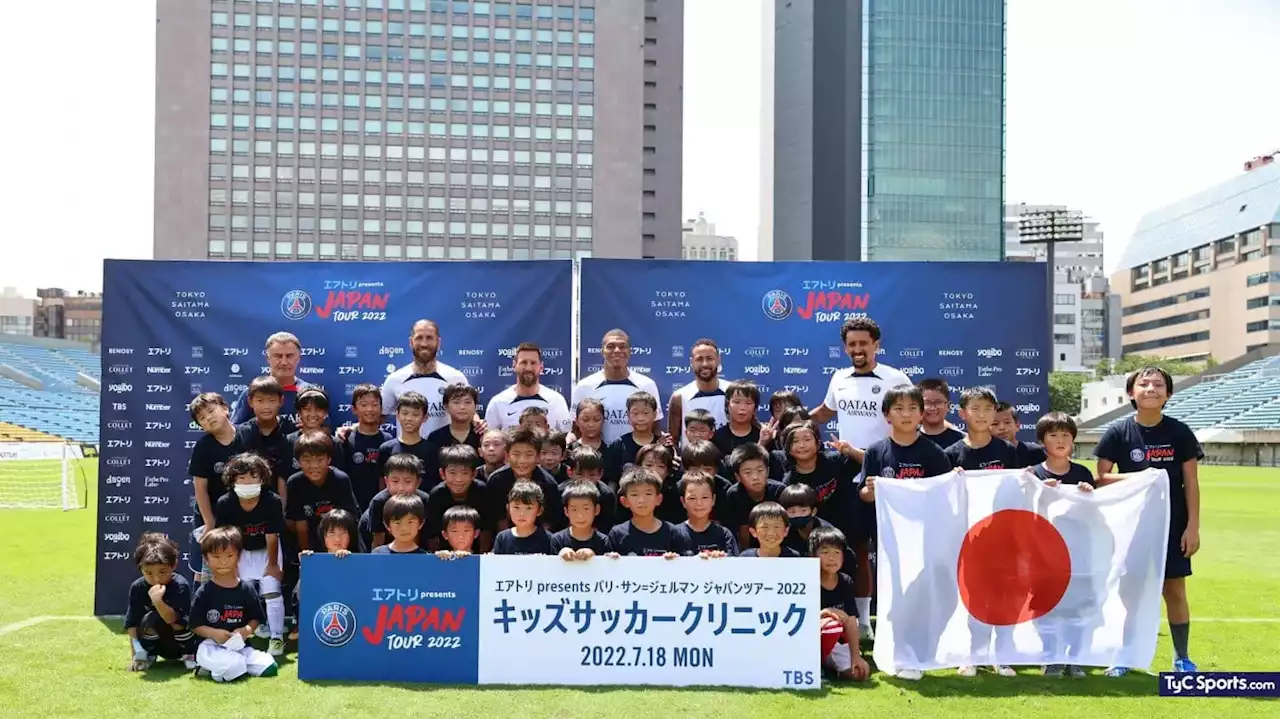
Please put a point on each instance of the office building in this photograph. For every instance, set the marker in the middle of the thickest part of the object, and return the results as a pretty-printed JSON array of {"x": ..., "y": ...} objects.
[
  {"x": 1080, "y": 288},
  {"x": 886, "y": 140},
  {"x": 699, "y": 241},
  {"x": 418, "y": 129},
  {"x": 1201, "y": 277},
  {"x": 54, "y": 313},
  {"x": 17, "y": 313}
]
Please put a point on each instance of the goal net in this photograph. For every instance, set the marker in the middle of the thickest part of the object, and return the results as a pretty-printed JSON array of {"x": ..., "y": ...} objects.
[{"x": 40, "y": 475}]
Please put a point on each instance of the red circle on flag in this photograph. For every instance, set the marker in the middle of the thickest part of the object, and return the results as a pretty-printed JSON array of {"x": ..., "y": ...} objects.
[{"x": 1014, "y": 567}]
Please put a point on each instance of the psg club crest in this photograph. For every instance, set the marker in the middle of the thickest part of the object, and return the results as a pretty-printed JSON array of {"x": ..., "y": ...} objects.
[
  {"x": 296, "y": 304},
  {"x": 1137, "y": 455},
  {"x": 334, "y": 624},
  {"x": 777, "y": 305},
  {"x": 887, "y": 472}
]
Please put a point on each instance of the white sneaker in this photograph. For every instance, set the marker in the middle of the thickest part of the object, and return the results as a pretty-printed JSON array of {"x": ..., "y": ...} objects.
[
  {"x": 866, "y": 633},
  {"x": 276, "y": 647},
  {"x": 1005, "y": 670},
  {"x": 911, "y": 675},
  {"x": 967, "y": 671},
  {"x": 262, "y": 632}
]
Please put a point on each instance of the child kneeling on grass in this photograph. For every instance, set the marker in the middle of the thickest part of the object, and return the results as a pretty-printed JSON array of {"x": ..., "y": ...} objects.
[{"x": 159, "y": 606}]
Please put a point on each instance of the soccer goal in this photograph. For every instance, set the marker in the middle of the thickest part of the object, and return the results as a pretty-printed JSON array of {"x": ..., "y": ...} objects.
[{"x": 40, "y": 475}]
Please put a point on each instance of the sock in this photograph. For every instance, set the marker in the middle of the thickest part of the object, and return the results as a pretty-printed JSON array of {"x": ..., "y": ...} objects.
[
  {"x": 275, "y": 615},
  {"x": 864, "y": 610},
  {"x": 1179, "y": 633}
]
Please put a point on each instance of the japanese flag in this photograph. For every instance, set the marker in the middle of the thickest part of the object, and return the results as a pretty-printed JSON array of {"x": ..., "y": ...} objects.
[{"x": 981, "y": 568}]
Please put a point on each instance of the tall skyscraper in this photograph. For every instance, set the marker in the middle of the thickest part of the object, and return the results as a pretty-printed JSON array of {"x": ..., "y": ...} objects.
[
  {"x": 887, "y": 132},
  {"x": 418, "y": 129}
]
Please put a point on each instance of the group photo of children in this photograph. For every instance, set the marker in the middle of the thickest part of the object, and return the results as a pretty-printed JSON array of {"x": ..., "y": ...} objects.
[{"x": 717, "y": 470}]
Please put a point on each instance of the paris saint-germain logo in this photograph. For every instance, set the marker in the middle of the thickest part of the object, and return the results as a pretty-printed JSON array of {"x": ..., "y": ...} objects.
[
  {"x": 777, "y": 305},
  {"x": 1137, "y": 454},
  {"x": 887, "y": 472},
  {"x": 334, "y": 624},
  {"x": 358, "y": 458},
  {"x": 296, "y": 304}
]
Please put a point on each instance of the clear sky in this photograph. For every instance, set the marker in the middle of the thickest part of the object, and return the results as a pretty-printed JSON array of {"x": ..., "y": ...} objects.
[{"x": 1114, "y": 106}]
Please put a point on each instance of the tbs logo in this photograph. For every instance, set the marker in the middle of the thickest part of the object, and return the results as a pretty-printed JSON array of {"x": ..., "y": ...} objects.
[
  {"x": 991, "y": 352},
  {"x": 758, "y": 369},
  {"x": 913, "y": 371},
  {"x": 116, "y": 537}
]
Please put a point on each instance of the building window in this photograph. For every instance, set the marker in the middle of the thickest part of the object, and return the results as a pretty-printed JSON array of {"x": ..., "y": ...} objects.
[
  {"x": 1166, "y": 301},
  {"x": 1261, "y": 278},
  {"x": 1166, "y": 321},
  {"x": 1058, "y": 299},
  {"x": 1262, "y": 326},
  {"x": 1165, "y": 342},
  {"x": 1057, "y": 319}
]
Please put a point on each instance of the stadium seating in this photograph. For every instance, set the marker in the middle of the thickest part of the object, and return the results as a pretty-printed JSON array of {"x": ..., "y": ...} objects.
[
  {"x": 1248, "y": 398},
  {"x": 63, "y": 409},
  {"x": 14, "y": 433}
]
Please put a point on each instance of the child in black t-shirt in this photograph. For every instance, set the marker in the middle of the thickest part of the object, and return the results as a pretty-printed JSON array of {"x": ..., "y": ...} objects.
[
  {"x": 645, "y": 535},
  {"x": 590, "y": 429},
  {"x": 705, "y": 537},
  {"x": 769, "y": 524},
  {"x": 801, "y": 503},
  {"x": 460, "y": 529},
  {"x": 552, "y": 457},
  {"x": 740, "y": 400},
  {"x": 642, "y": 414},
  {"x": 1005, "y": 426},
  {"x": 360, "y": 449},
  {"x": 659, "y": 459},
  {"x": 460, "y": 404},
  {"x": 526, "y": 535},
  {"x": 340, "y": 535},
  {"x": 838, "y": 601},
  {"x": 587, "y": 465},
  {"x": 1150, "y": 439},
  {"x": 523, "y": 447},
  {"x": 459, "y": 488},
  {"x": 316, "y": 490},
  {"x": 699, "y": 426},
  {"x": 259, "y": 516},
  {"x": 404, "y": 515},
  {"x": 937, "y": 405},
  {"x": 312, "y": 405},
  {"x": 905, "y": 453},
  {"x": 411, "y": 411},
  {"x": 266, "y": 434},
  {"x": 779, "y": 402},
  {"x": 981, "y": 449},
  {"x": 493, "y": 452},
  {"x": 403, "y": 475},
  {"x": 225, "y": 613},
  {"x": 750, "y": 467},
  {"x": 159, "y": 606},
  {"x": 581, "y": 540},
  {"x": 212, "y": 451},
  {"x": 1056, "y": 432}
]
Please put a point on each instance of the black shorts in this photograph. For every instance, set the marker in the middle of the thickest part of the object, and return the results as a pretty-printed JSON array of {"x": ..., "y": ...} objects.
[{"x": 1176, "y": 566}]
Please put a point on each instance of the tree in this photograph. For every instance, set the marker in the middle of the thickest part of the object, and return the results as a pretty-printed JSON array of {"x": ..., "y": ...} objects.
[{"x": 1064, "y": 391}]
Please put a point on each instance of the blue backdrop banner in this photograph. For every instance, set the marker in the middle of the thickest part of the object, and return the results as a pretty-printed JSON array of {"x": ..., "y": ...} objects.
[
  {"x": 778, "y": 323},
  {"x": 174, "y": 329},
  {"x": 525, "y": 620}
]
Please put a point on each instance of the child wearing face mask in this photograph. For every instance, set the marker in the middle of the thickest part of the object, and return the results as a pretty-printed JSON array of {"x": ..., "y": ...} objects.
[{"x": 259, "y": 515}]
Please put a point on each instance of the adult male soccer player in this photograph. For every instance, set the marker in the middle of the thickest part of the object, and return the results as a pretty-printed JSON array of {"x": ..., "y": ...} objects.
[
  {"x": 856, "y": 395},
  {"x": 504, "y": 409},
  {"x": 614, "y": 384},
  {"x": 425, "y": 375},
  {"x": 706, "y": 391},
  {"x": 283, "y": 351}
]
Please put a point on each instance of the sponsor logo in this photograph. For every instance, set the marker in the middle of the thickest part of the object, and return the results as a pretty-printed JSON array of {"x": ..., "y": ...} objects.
[
  {"x": 234, "y": 388},
  {"x": 195, "y": 370},
  {"x": 393, "y": 351},
  {"x": 677, "y": 351},
  {"x": 756, "y": 352},
  {"x": 189, "y": 305},
  {"x": 152, "y": 499},
  {"x": 308, "y": 352},
  {"x": 913, "y": 371},
  {"x": 155, "y": 519},
  {"x": 677, "y": 368},
  {"x": 117, "y": 462},
  {"x": 235, "y": 369},
  {"x": 1029, "y": 407},
  {"x": 116, "y": 537},
  {"x": 155, "y": 426},
  {"x": 119, "y": 369},
  {"x": 508, "y": 352},
  {"x": 777, "y": 305},
  {"x": 397, "y": 351},
  {"x": 989, "y": 370},
  {"x": 876, "y": 389},
  {"x": 552, "y": 352},
  {"x": 116, "y": 499},
  {"x": 197, "y": 353},
  {"x": 334, "y": 624},
  {"x": 120, "y": 388},
  {"x": 390, "y": 368},
  {"x": 155, "y": 444},
  {"x": 115, "y": 556},
  {"x": 119, "y": 444},
  {"x": 115, "y": 518},
  {"x": 159, "y": 370},
  {"x": 152, "y": 462},
  {"x": 120, "y": 350},
  {"x": 1027, "y": 372},
  {"x": 795, "y": 351},
  {"x": 950, "y": 353},
  {"x": 641, "y": 351},
  {"x": 235, "y": 352},
  {"x": 552, "y": 371},
  {"x": 950, "y": 372},
  {"x": 795, "y": 370},
  {"x": 506, "y": 371},
  {"x": 642, "y": 369},
  {"x": 797, "y": 388},
  {"x": 310, "y": 370},
  {"x": 758, "y": 369},
  {"x": 1028, "y": 389},
  {"x": 196, "y": 388},
  {"x": 990, "y": 353},
  {"x": 158, "y": 407},
  {"x": 295, "y": 305},
  {"x": 119, "y": 425},
  {"x": 1137, "y": 454},
  {"x": 1027, "y": 353},
  {"x": 834, "y": 306},
  {"x": 347, "y": 369},
  {"x": 117, "y": 480},
  {"x": 119, "y": 406},
  {"x": 159, "y": 388},
  {"x": 351, "y": 352},
  {"x": 834, "y": 352},
  {"x": 159, "y": 351}
]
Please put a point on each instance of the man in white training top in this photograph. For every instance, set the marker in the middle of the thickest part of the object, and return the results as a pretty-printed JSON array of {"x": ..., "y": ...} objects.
[
  {"x": 706, "y": 391},
  {"x": 613, "y": 384},
  {"x": 504, "y": 409}
]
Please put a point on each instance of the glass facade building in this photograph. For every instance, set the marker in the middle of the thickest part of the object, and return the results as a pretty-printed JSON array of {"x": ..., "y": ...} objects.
[
  {"x": 416, "y": 129},
  {"x": 887, "y": 132}
]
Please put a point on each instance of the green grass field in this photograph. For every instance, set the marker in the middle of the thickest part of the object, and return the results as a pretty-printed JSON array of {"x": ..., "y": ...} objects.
[{"x": 73, "y": 665}]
